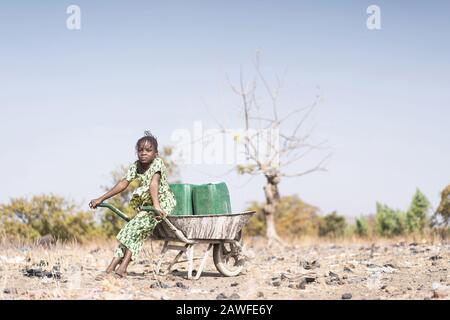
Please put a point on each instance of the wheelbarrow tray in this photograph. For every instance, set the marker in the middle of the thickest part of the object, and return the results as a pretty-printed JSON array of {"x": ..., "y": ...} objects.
[{"x": 204, "y": 227}]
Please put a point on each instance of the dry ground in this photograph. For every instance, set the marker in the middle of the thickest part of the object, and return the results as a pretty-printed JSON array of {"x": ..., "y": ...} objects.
[{"x": 305, "y": 270}]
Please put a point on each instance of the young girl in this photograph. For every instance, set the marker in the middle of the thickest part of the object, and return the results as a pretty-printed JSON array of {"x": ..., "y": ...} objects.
[{"x": 154, "y": 190}]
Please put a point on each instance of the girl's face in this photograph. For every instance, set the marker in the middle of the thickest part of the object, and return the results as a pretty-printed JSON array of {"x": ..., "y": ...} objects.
[{"x": 146, "y": 152}]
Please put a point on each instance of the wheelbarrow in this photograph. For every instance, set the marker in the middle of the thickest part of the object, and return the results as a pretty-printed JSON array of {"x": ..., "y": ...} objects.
[{"x": 221, "y": 232}]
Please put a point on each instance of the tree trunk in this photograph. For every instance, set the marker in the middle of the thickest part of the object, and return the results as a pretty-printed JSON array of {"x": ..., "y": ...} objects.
[{"x": 272, "y": 199}]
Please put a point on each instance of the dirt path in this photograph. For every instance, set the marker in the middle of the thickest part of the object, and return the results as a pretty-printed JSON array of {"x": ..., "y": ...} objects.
[{"x": 325, "y": 271}]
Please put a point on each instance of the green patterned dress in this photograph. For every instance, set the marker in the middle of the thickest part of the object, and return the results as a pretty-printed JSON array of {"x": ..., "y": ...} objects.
[{"x": 138, "y": 229}]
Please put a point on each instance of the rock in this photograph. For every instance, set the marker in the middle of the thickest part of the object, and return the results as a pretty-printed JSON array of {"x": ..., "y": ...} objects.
[
  {"x": 347, "y": 269},
  {"x": 10, "y": 291},
  {"x": 37, "y": 272},
  {"x": 221, "y": 296},
  {"x": 235, "y": 296},
  {"x": 310, "y": 265},
  {"x": 181, "y": 285},
  {"x": 276, "y": 283},
  {"x": 333, "y": 279},
  {"x": 310, "y": 279},
  {"x": 43, "y": 263},
  {"x": 284, "y": 276},
  {"x": 332, "y": 274},
  {"x": 302, "y": 284},
  {"x": 435, "y": 258},
  {"x": 346, "y": 296},
  {"x": 260, "y": 294},
  {"x": 212, "y": 290},
  {"x": 234, "y": 284},
  {"x": 161, "y": 285},
  {"x": 439, "y": 293}
]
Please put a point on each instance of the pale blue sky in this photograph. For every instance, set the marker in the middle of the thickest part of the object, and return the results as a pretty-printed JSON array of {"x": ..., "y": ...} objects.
[{"x": 73, "y": 103}]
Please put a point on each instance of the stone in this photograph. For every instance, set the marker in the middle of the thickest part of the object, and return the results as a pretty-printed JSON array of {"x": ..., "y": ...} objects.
[
  {"x": 181, "y": 285},
  {"x": 260, "y": 294},
  {"x": 234, "y": 284},
  {"x": 435, "y": 258},
  {"x": 439, "y": 293},
  {"x": 333, "y": 279},
  {"x": 10, "y": 291},
  {"x": 235, "y": 296},
  {"x": 310, "y": 265},
  {"x": 221, "y": 296},
  {"x": 276, "y": 283},
  {"x": 346, "y": 296},
  {"x": 161, "y": 285},
  {"x": 302, "y": 284}
]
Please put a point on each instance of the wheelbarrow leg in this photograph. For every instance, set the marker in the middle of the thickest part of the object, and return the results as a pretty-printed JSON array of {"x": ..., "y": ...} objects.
[
  {"x": 161, "y": 258},
  {"x": 190, "y": 259},
  {"x": 167, "y": 247},
  {"x": 175, "y": 260},
  {"x": 202, "y": 264}
]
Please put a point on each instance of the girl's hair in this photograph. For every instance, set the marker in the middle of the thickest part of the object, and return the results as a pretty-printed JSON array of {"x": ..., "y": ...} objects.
[{"x": 150, "y": 138}]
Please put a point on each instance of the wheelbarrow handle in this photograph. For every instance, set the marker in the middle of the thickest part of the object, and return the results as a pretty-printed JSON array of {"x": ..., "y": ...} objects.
[
  {"x": 115, "y": 210},
  {"x": 151, "y": 208}
]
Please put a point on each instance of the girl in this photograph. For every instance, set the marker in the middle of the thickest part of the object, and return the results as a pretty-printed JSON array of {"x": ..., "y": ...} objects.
[{"x": 154, "y": 190}]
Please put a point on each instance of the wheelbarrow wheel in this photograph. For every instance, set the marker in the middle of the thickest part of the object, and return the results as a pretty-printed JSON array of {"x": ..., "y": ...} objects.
[{"x": 226, "y": 258}]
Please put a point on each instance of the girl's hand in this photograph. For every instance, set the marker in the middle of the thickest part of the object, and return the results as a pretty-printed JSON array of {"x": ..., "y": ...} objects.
[
  {"x": 94, "y": 203},
  {"x": 160, "y": 214}
]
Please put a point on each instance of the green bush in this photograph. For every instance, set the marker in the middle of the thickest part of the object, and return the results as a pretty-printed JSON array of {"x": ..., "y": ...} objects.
[
  {"x": 362, "y": 228},
  {"x": 46, "y": 215},
  {"x": 417, "y": 215},
  {"x": 332, "y": 225},
  {"x": 389, "y": 222}
]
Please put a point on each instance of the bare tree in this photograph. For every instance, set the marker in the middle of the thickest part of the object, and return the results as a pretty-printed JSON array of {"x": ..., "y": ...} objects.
[{"x": 290, "y": 146}]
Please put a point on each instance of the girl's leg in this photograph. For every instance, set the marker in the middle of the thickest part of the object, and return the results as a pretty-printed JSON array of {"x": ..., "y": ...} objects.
[
  {"x": 112, "y": 266},
  {"x": 114, "y": 263},
  {"x": 122, "y": 269}
]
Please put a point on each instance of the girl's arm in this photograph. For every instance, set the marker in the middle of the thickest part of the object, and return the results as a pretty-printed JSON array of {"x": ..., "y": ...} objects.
[
  {"x": 118, "y": 188},
  {"x": 154, "y": 187}
]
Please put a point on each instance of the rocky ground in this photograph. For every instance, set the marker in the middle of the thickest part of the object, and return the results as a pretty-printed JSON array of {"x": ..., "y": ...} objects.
[{"x": 341, "y": 270}]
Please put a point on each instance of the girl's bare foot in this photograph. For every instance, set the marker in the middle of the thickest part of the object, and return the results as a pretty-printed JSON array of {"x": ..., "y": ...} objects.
[
  {"x": 119, "y": 275},
  {"x": 102, "y": 276}
]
